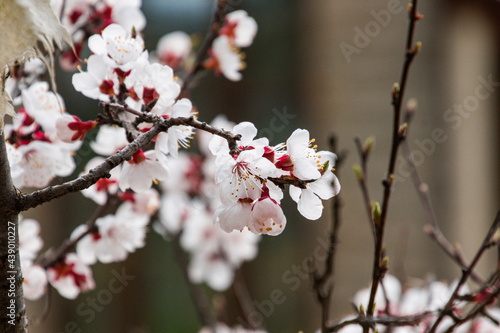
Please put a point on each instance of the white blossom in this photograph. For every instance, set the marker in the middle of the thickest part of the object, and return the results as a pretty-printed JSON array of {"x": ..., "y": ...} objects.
[
  {"x": 173, "y": 48},
  {"x": 138, "y": 173},
  {"x": 34, "y": 280},
  {"x": 240, "y": 28},
  {"x": 71, "y": 276},
  {"x": 117, "y": 48},
  {"x": 109, "y": 140},
  {"x": 116, "y": 236},
  {"x": 225, "y": 59}
]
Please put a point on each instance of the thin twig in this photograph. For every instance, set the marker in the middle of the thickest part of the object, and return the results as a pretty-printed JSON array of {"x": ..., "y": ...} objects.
[
  {"x": 322, "y": 284},
  {"x": 362, "y": 181},
  {"x": 432, "y": 229},
  {"x": 371, "y": 322},
  {"x": 397, "y": 138}
]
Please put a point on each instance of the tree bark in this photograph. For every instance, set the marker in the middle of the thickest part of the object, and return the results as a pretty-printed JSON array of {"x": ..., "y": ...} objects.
[{"x": 12, "y": 307}]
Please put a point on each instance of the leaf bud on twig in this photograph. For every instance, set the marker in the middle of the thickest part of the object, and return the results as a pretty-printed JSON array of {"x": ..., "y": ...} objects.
[
  {"x": 376, "y": 212},
  {"x": 368, "y": 145},
  {"x": 357, "y": 171}
]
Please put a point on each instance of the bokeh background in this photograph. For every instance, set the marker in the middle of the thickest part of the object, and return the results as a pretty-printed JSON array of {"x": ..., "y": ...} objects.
[{"x": 297, "y": 67}]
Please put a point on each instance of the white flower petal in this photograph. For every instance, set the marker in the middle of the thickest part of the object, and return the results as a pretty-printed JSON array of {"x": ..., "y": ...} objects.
[{"x": 310, "y": 205}]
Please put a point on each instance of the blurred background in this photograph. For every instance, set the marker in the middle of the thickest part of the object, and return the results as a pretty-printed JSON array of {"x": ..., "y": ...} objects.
[{"x": 327, "y": 66}]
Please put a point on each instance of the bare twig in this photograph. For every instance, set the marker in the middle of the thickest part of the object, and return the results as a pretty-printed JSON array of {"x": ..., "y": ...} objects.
[
  {"x": 370, "y": 322},
  {"x": 398, "y": 135},
  {"x": 432, "y": 228},
  {"x": 322, "y": 284},
  {"x": 362, "y": 180}
]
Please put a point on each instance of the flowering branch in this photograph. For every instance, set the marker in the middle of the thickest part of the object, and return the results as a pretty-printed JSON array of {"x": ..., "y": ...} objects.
[
  {"x": 398, "y": 135},
  {"x": 52, "y": 258},
  {"x": 478, "y": 309},
  {"x": 448, "y": 309},
  {"x": 36, "y": 198}
]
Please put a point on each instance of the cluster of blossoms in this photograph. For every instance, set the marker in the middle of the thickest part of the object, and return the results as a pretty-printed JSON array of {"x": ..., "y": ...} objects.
[
  {"x": 83, "y": 18},
  {"x": 36, "y": 148},
  {"x": 430, "y": 298},
  {"x": 30, "y": 243},
  {"x": 238, "y": 31},
  {"x": 248, "y": 178},
  {"x": 216, "y": 203},
  {"x": 188, "y": 204}
]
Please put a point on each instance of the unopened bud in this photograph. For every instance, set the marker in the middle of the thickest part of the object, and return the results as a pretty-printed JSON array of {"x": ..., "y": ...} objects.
[
  {"x": 496, "y": 237},
  {"x": 385, "y": 263},
  {"x": 357, "y": 171},
  {"x": 402, "y": 130},
  {"x": 411, "y": 106},
  {"x": 376, "y": 212},
  {"x": 417, "y": 47},
  {"x": 424, "y": 188},
  {"x": 395, "y": 90},
  {"x": 368, "y": 144}
]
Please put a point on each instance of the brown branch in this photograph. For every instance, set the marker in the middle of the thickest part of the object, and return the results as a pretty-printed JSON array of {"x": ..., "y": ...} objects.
[
  {"x": 370, "y": 322},
  {"x": 398, "y": 136},
  {"x": 478, "y": 310},
  {"x": 36, "y": 198},
  {"x": 12, "y": 306}
]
